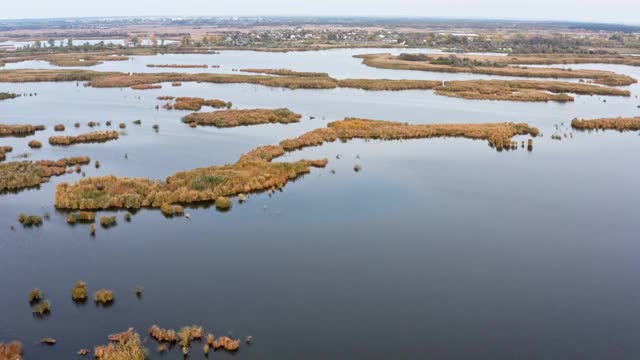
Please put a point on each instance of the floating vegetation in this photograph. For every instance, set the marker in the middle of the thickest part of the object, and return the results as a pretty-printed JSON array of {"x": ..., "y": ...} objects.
[
  {"x": 93, "y": 137},
  {"x": 231, "y": 118},
  {"x": 195, "y": 104},
  {"x": 42, "y": 308},
  {"x": 387, "y": 61},
  {"x": 171, "y": 210},
  {"x": 166, "y": 98},
  {"x": 35, "y": 296},
  {"x": 81, "y": 216},
  {"x": 5, "y": 96},
  {"x": 19, "y": 130},
  {"x": 146, "y": 86},
  {"x": 79, "y": 291},
  {"x": 619, "y": 123},
  {"x": 48, "y": 341},
  {"x": 138, "y": 291},
  {"x": 178, "y": 66},
  {"x": 124, "y": 346},
  {"x": 223, "y": 203},
  {"x": 127, "y": 217},
  {"x": 163, "y": 335},
  {"x": 285, "y": 72},
  {"x": 137, "y": 122},
  {"x": 103, "y": 296},
  {"x": 58, "y": 127},
  {"x": 11, "y": 351},
  {"x": 35, "y": 144},
  {"x": 97, "y": 164},
  {"x": 31, "y": 220},
  {"x": 122, "y": 126},
  {"x": 108, "y": 221}
]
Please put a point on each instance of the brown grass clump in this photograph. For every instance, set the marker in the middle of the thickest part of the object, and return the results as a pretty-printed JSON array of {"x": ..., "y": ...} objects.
[
  {"x": 226, "y": 343},
  {"x": 171, "y": 210},
  {"x": 223, "y": 203},
  {"x": 286, "y": 72},
  {"x": 176, "y": 84},
  {"x": 79, "y": 291},
  {"x": 124, "y": 346},
  {"x": 18, "y": 175},
  {"x": 163, "y": 335},
  {"x": 3, "y": 152},
  {"x": 58, "y": 127},
  {"x": 177, "y": 66},
  {"x": 35, "y": 295},
  {"x": 31, "y": 220},
  {"x": 387, "y": 61},
  {"x": 35, "y": 144},
  {"x": 232, "y": 118},
  {"x": 166, "y": 98},
  {"x": 11, "y": 351},
  {"x": 620, "y": 124},
  {"x": 108, "y": 221},
  {"x": 103, "y": 296},
  {"x": 81, "y": 216},
  {"x": 195, "y": 104},
  {"x": 146, "y": 86},
  {"x": 93, "y": 137},
  {"x": 42, "y": 308}
]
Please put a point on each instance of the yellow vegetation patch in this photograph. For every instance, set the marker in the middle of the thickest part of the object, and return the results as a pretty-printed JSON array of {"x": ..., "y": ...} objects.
[{"x": 18, "y": 175}]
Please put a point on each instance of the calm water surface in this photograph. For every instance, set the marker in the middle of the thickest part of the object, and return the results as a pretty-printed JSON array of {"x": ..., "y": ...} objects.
[{"x": 438, "y": 248}]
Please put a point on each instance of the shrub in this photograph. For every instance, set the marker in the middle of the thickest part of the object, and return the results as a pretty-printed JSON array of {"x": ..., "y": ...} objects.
[
  {"x": 35, "y": 296},
  {"x": 11, "y": 351},
  {"x": 42, "y": 308},
  {"x": 223, "y": 203},
  {"x": 79, "y": 291},
  {"x": 127, "y": 346},
  {"x": 31, "y": 220},
  {"x": 103, "y": 296},
  {"x": 163, "y": 335},
  {"x": 58, "y": 127},
  {"x": 35, "y": 144},
  {"x": 108, "y": 221}
]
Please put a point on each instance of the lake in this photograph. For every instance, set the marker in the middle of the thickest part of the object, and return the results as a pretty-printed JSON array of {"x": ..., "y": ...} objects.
[{"x": 440, "y": 248}]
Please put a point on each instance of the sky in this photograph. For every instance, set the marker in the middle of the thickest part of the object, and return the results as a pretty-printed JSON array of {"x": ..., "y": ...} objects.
[{"x": 616, "y": 11}]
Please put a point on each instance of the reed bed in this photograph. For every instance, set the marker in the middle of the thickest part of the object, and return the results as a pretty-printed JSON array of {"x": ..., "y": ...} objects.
[
  {"x": 245, "y": 117},
  {"x": 550, "y": 59},
  {"x": 619, "y": 123},
  {"x": 286, "y": 72},
  {"x": 19, "y": 130},
  {"x": 93, "y": 137},
  {"x": 17, "y": 175},
  {"x": 526, "y": 91},
  {"x": 163, "y": 335},
  {"x": 178, "y": 66},
  {"x": 389, "y": 85},
  {"x": 80, "y": 59},
  {"x": 523, "y": 90},
  {"x": 11, "y": 351},
  {"x": 35, "y": 144},
  {"x": 123, "y": 346},
  {"x": 146, "y": 86},
  {"x": 195, "y": 103},
  {"x": 387, "y": 61},
  {"x": 255, "y": 171}
]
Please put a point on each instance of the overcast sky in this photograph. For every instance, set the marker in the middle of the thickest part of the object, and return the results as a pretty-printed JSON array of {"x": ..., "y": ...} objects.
[{"x": 620, "y": 11}]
